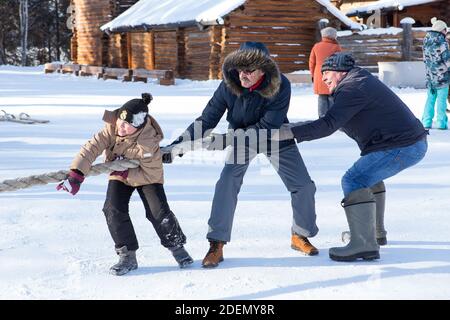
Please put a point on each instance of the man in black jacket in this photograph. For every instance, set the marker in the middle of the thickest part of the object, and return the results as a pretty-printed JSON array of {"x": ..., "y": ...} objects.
[
  {"x": 256, "y": 97},
  {"x": 389, "y": 136}
]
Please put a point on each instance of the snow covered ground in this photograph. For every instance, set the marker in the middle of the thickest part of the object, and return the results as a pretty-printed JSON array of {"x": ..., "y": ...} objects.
[{"x": 55, "y": 246}]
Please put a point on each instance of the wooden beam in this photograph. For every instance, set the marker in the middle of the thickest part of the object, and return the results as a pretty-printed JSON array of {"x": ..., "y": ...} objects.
[
  {"x": 395, "y": 20},
  {"x": 152, "y": 50},
  {"x": 129, "y": 51}
]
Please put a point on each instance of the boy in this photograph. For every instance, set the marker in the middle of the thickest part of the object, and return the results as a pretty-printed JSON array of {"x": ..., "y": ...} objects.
[{"x": 131, "y": 133}]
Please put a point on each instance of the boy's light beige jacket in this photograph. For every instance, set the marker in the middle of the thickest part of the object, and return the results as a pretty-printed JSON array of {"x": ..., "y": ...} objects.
[{"x": 143, "y": 145}]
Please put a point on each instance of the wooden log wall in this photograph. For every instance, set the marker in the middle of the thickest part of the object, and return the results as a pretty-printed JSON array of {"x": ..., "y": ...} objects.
[
  {"x": 141, "y": 50},
  {"x": 217, "y": 41},
  {"x": 286, "y": 27},
  {"x": 417, "y": 50},
  {"x": 423, "y": 13},
  {"x": 74, "y": 46},
  {"x": 89, "y": 16},
  {"x": 368, "y": 50},
  {"x": 89, "y": 44},
  {"x": 166, "y": 50},
  {"x": 116, "y": 55},
  {"x": 199, "y": 52}
]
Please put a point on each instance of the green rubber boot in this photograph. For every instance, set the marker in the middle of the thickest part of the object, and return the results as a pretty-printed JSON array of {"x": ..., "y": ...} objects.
[
  {"x": 360, "y": 209},
  {"x": 379, "y": 192}
]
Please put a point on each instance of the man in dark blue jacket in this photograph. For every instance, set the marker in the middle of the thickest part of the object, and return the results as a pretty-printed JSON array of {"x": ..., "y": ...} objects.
[
  {"x": 256, "y": 97},
  {"x": 389, "y": 136}
]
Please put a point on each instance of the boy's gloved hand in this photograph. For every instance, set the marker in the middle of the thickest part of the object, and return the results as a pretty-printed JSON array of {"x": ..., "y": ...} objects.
[
  {"x": 166, "y": 153},
  {"x": 72, "y": 183}
]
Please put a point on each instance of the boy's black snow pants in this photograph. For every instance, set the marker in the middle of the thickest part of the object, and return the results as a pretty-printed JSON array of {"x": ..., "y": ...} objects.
[{"x": 116, "y": 210}]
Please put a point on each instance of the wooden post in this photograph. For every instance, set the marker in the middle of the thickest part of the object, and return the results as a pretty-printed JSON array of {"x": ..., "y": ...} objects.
[
  {"x": 223, "y": 47},
  {"x": 74, "y": 46},
  {"x": 180, "y": 65},
  {"x": 123, "y": 51},
  {"x": 129, "y": 51},
  {"x": 152, "y": 50},
  {"x": 395, "y": 22},
  {"x": 407, "y": 39}
]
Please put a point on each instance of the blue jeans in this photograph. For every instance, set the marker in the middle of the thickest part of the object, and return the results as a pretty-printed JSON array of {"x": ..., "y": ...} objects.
[
  {"x": 377, "y": 166},
  {"x": 439, "y": 96}
]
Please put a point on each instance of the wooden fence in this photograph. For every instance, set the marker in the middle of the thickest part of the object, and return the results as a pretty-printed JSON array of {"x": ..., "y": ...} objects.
[{"x": 391, "y": 44}]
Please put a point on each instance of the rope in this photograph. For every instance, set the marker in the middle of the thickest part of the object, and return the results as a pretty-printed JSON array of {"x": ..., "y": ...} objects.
[
  {"x": 185, "y": 146},
  {"x": 54, "y": 177}
]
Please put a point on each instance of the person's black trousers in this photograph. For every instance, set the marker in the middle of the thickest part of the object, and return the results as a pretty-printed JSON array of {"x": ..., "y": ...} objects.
[{"x": 116, "y": 210}]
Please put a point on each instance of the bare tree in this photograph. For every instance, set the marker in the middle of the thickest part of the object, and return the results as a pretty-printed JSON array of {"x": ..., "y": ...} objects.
[
  {"x": 24, "y": 29},
  {"x": 2, "y": 50},
  {"x": 58, "y": 32},
  {"x": 33, "y": 32}
]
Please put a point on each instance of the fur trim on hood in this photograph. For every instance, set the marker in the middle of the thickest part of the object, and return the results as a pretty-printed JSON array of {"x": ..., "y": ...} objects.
[{"x": 251, "y": 59}]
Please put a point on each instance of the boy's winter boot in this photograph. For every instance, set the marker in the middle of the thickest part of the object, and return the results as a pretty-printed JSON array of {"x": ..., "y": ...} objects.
[
  {"x": 360, "y": 209},
  {"x": 127, "y": 262},
  {"x": 214, "y": 255},
  {"x": 181, "y": 256},
  {"x": 302, "y": 244},
  {"x": 379, "y": 192}
]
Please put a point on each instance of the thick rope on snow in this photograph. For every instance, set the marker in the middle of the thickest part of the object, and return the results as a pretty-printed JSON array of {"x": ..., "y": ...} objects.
[{"x": 54, "y": 177}]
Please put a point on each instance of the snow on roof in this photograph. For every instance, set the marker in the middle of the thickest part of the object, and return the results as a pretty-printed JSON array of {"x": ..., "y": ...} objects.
[
  {"x": 182, "y": 12},
  {"x": 341, "y": 16},
  {"x": 371, "y": 32},
  {"x": 157, "y": 12},
  {"x": 384, "y": 4},
  {"x": 379, "y": 31}
]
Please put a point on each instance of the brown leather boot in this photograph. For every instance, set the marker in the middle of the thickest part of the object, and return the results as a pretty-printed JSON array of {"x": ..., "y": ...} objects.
[
  {"x": 302, "y": 244},
  {"x": 214, "y": 255}
]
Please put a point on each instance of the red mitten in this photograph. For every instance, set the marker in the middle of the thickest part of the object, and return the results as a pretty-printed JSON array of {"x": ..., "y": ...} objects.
[{"x": 72, "y": 183}]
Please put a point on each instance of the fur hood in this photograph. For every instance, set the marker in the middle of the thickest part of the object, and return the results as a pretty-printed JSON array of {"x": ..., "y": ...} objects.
[{"x": 251, "y": 59}]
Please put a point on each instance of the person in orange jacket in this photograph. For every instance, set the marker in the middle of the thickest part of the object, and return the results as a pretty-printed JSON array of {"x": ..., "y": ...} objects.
[{"x": 319, "y": 53}]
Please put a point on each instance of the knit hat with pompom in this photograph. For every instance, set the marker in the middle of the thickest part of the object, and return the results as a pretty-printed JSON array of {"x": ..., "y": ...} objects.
[
  {"x": 135, "y": 111},
  {"x": 438, "y": 25}
]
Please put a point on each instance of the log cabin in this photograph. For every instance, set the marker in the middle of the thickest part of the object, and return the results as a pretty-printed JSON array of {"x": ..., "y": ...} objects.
[
  {"x": 393, "y": 11},
  {"x": 192, "y": 37}
]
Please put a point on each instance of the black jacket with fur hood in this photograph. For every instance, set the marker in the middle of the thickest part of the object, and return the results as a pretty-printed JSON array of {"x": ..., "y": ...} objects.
[{"x": 264, "y": 108}]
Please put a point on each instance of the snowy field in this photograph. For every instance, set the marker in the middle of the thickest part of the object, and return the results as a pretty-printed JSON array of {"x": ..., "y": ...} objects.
[{"x": 56, "y": 246}]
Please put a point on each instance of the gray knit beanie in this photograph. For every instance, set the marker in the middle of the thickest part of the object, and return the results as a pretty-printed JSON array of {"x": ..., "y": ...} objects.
[{"x": 339, "y": 61}]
